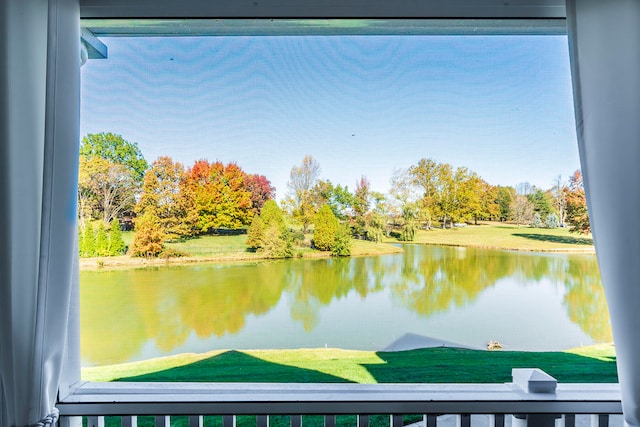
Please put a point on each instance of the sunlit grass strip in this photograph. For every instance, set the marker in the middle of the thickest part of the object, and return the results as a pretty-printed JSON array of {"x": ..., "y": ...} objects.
[
  {"x": 433, "y": 365},
  {"x": 507, "y": 236}
]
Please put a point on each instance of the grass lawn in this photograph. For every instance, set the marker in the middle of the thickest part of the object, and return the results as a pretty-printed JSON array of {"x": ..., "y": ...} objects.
[
  {"x": 432, "y": 365},
  {"x": 507, "y": 236},
  {"x": 436, "y": 365}
]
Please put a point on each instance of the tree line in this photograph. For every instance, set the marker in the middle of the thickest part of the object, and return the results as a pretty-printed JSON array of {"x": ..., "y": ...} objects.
[{"x": 170, "y": 201}]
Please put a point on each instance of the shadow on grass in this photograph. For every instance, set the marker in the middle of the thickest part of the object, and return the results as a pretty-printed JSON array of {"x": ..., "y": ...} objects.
[
  {"x": 235, "y": 366},
  {"x": 569, "y": 240},
  {"x": 453, "y": 365}
]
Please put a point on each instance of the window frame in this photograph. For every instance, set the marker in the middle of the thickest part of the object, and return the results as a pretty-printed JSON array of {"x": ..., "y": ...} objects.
[{"x": 166, "y": 17}]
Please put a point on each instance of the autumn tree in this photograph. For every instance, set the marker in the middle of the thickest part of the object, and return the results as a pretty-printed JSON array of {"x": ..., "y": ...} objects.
[
  {"x": 301, "y": 181},
  {"x": 221, "y": 198},
  {"x": 576, "y": 205},
  {"x": 261, "y": 191},
  {"x": 149, "y": 238},
  {"x": 165, "y": 191}
]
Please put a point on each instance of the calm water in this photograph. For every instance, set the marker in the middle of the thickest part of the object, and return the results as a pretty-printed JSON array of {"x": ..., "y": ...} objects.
[{"x": 469, "y": 296}]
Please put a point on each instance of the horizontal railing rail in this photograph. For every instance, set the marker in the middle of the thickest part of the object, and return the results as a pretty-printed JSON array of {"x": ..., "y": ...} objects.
[{"x": 162, "y": 400}]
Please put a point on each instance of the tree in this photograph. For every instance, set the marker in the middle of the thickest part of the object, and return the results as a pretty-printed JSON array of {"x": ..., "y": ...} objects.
[
  {"x": 409, "y": 213},
  {"x": 577, "y": 214},
  {"x": 255, "y": 234},
  {"x": 105, "y": 189},
  {"x": 301, "y": 180},
  {"x": 542, "y": 202},
  {"x": 268, "y": 233},
  {"x": 560, "y": 200},
  {"x": 88, "y": 243},
  {"x": 361, "y": 204},
  {"x": 536, "y": 221},
  {"x": 221, "y": 197},
  {"x": 149, "y": 238},
  {"x": 342, "y": 244},
  {"x": 505, "y": 198},
  {"x": 116, "y": 149},
  {"x": 102, "y": 241},
  {"x": 116, "y": 243},
  {"x": 522, "y": 209},
  {"x": 325, "y": 229},
  {"x": 164, "y": 191},
  {"x": 261, "y": 190},
  {"x": 552, "y": 221}
]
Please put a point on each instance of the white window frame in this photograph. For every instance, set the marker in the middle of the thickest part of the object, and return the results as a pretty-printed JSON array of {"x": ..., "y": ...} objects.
[{"x": 162, "y": 17}]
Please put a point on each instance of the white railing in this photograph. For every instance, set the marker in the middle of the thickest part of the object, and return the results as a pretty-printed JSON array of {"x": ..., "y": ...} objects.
[{"x": 534, "y": 404}]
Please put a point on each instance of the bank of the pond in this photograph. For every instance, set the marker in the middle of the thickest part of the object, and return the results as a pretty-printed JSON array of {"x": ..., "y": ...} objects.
[
  {"x": 487, "y": 236},
  {"x": 593, "y": 364},
  {"x": 227, "y": 249}
]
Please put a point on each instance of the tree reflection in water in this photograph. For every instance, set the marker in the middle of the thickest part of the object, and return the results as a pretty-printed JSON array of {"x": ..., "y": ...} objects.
[{"x": 122, "y": 310}]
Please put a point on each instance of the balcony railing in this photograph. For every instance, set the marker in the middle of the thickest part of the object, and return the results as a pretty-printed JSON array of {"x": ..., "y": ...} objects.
[{"x": 531, "y": 403}]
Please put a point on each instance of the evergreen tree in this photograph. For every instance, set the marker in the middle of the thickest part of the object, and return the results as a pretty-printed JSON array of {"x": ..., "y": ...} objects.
[
  {"x": 326, "y": 226},
  {"x": 342, "y": 243},
  {"x": 536, "y": 222},
  {"x": 552, "y": 221},
  {"x": 116, "y": 244},
  {"x": 88, "y": 242},
  {"x": 102, "y": 241},
  {"x": 255, "y": 234}
]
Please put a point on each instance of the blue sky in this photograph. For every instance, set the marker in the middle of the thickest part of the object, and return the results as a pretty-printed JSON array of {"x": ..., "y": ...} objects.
[{"x": 360, "y": 105}]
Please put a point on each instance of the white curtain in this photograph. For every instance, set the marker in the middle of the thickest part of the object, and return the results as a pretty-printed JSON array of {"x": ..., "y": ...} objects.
[
  {"x": 39, "y": 134},
  {"x": 604, "y": 39}
]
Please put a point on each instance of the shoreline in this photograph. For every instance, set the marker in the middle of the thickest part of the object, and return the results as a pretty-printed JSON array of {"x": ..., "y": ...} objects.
[{"x": 125, "y": 261}]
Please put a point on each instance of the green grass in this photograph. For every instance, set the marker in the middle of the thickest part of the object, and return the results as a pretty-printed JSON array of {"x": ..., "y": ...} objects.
[
  {"x": 432, "y": 365},
  {"x": 507, "y": 236}
]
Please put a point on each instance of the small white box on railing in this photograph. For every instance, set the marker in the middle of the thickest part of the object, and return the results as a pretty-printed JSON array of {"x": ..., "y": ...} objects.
[{"x": 534, "y": 380}]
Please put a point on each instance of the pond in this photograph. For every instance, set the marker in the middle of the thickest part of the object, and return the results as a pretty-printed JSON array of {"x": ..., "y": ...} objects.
[{"x": 526, "y": 301}]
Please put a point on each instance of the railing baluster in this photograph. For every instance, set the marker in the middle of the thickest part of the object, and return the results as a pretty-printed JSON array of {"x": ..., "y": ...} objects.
[
  {"x": 600, "y": 420},
  {"x": 195, "y": 421},
  {"x": 262, "y": 421},
  {"x": 464, "y": 420},
  {"x": 431, "y": 420},
  {"x": 296, "y": 421},
  {"x": 95, "y": 421},
  {"x": 228, "y": 421},
  {"x": 497, "y": 420},
  {"x": 569, "y": 420},
  {"x": 396, "y": 420},
  {"x": 130, "y": 421},
  {"x": 363, "y": 420},
  {"x": 329, "y": 421},
  {"x": 163, "y": 421}
]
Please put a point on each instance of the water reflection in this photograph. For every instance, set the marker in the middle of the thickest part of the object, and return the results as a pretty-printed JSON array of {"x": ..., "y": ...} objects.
[{"x": 123, "y": 311}]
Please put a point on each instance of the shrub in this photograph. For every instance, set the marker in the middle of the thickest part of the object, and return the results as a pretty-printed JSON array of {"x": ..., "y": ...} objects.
[
  {"x": 552, "y": 221},
  {"x": 536, "y": 222}
]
